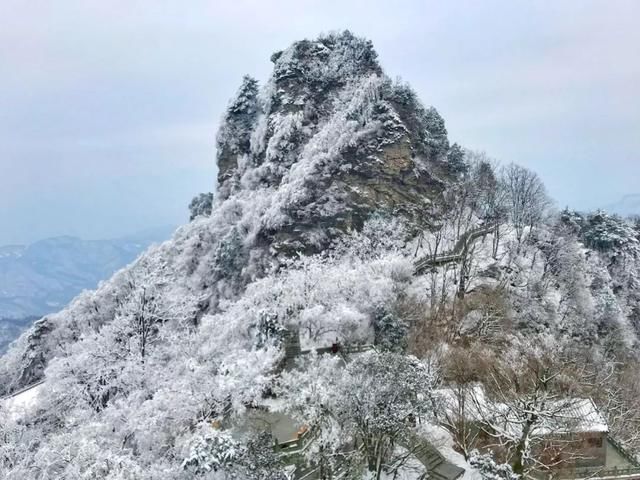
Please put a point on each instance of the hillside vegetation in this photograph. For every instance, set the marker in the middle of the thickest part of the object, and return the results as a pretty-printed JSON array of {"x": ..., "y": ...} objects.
[{"x": 333, "y": 182}]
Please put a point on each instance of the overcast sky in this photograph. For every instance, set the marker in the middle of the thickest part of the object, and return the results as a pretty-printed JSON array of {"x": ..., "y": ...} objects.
[{"x": 108, "y": 109}]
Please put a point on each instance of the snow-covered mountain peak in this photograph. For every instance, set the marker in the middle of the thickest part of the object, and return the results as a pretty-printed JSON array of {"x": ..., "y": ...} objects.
[
  {"x": 353, "y": 267},
  {"x": 327, "y": 141}
]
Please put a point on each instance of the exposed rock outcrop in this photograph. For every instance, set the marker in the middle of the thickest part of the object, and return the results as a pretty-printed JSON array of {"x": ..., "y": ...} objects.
[{"x": 338, "y": 140}]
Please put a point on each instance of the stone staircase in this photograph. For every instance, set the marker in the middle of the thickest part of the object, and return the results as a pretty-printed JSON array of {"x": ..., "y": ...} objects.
[
  {"x": 292, "y": 348},
  {"x": 457, "y": 253},
  {"x": 626, "y": 454},
  {"x": 438, "y": 467}
]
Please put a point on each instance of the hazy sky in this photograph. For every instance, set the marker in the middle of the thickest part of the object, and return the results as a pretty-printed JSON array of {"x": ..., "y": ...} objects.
[{"x": 108, "y": 109}]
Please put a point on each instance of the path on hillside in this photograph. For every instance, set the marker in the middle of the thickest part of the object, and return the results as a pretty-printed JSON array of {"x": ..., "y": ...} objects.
[
  {"x": 22, "y": 390},
  {"x": 457, "y": 253},
  {"x": 438, "y": 467}
]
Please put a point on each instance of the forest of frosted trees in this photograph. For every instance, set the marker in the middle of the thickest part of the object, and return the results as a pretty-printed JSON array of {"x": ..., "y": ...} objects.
[{"x": 333, "y": 182}]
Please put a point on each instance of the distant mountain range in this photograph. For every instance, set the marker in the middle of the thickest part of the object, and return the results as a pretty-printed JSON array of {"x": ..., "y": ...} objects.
[
  {"x": 43, "y": 277},
  {"x": 626, "y": 206}
]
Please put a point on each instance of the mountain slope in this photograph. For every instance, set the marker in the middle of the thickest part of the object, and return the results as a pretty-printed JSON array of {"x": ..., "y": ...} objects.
[
  {"x": 332, "y": 180},
  {"x": 328, "y": 141},
  {"x": 325, "y": 144}
]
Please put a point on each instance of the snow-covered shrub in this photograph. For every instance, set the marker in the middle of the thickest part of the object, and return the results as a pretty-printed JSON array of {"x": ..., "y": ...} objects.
[
  {"x": 489, "y": 469},
  {"x": 212, "y": 450}
]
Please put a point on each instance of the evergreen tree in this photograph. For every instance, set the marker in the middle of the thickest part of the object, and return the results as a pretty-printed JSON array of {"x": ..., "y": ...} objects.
[
  {"x": 456, "y": 160},
  {"x": 201, "y": 206},
  {"x": 391, "y": 332},
  {"x": 436, "y": 133}
]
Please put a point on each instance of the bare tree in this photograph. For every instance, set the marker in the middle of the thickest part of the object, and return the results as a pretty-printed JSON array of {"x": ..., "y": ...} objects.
[
  {"x": 489, "y": 194},
  {"x": 615, "y": 385},
  {"x": 454, "y": 406},
  {"x": 526, "y": 197},
  {"x": 529, "y": 412}
]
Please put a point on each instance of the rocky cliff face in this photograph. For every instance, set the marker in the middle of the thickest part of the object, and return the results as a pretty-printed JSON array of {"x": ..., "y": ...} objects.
[{"x": 337, "y": 140}]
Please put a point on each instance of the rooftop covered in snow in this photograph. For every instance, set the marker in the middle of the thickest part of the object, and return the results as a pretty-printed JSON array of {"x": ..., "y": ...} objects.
[{"x": 556, "y": 416}]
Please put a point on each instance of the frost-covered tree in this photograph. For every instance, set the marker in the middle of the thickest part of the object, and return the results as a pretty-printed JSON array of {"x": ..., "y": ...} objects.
[
  {"x": 572, "y": 220},
  {"x": 489, "y": 469},
  {"x": 456, "y": 160},
  {"x": 216, "y": 451},
  {"x": 490, "y": 196},
  {"x": 369, "y": 404},
  {"x": 527, "y": 199},
  {"x": 229, "y": 257},
  {"x": 390, "y": 331},
  {"x": 609, "y": 233},
  {"x": 212, "y": 450},
  {"x": 436, "y": 134},
  {"x": 200, "y": 206},
  {"x": 532, "y": 392}
]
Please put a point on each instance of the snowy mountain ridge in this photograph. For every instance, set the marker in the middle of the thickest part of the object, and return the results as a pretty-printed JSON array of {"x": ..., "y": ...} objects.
[{"x": 251, "y": 323}]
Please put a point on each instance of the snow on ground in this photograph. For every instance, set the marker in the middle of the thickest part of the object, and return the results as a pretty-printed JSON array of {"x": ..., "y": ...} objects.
[
  {"x": 442, "y": 440},
  {"x": 22, "y": 403}
]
